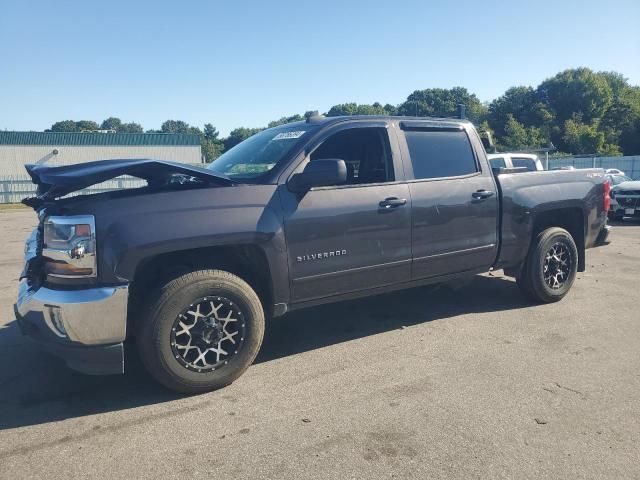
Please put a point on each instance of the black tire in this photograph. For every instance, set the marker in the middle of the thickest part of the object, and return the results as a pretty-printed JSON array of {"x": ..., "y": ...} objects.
[
  {"x": 552, "y": 284},
  {"x": 156, "y": 338}
]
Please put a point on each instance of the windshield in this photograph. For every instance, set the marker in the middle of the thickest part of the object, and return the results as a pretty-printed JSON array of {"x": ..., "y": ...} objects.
[{"x": 259, "y": 153}]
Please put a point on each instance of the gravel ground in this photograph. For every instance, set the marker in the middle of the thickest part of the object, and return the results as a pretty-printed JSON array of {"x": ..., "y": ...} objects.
[{"x": 471, "y": 382}]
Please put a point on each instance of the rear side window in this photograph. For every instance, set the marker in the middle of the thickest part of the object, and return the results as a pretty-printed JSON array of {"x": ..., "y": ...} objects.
[
  {"x": 497, "y": 162},
  {"x": 437, "y": 153},
  {"x": 527, "y": 163}
]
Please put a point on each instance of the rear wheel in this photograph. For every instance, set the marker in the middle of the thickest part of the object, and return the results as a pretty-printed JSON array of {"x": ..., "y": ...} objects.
[
  {"x": 201, "y": 331},
  {"x": 550, "y": 268}
]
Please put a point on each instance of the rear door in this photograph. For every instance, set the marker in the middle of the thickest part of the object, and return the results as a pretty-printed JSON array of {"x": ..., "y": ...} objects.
[
  {"x": 454, "y": 200},
  {"x": 355, "y": 236}
]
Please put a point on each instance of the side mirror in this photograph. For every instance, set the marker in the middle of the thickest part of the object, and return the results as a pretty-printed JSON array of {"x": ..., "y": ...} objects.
[
  {"x": 319, "y": 173},
  {"x": 487, "y": 141}
]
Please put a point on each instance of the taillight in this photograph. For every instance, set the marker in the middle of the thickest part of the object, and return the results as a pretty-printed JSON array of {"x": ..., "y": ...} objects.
[{"x": 606, "y": 196}]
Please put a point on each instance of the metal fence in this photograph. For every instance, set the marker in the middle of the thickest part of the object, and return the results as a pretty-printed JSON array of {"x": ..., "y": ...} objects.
[
  {"x": 630, "y": 165},
  {"x": 14, "y": 188}
]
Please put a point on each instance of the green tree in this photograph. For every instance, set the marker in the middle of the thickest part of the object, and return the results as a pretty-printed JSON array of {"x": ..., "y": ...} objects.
[
  {"x": 130, "y": 127},
  {"x": 630, "y": 138},
  {"x": 515, "y": 135},
  {"x": 210, "y": 132},
  {"x": 64, "y": 126},
  {"x": 576, "y": 91},
  {"x": 87, "y": 125},
  {"x": 285, "y": 120},
  {"x": 521, "y": 103},
  {"x": 620, "y": 121},
  {"x": 239, "y": 135},
  {"x": 111, "y": 123},
  {"x": 356, "y": 109},
  {"x": 440, "y": 102},
  {"x": 581, "y": 138},
  {"x": 212, "y": 145},
  {"x": 211, "y": 149},
  {"x": 391, "y": 109},
  {"x": 518, "y": 137},
  {"x": 178, "y": 126}
]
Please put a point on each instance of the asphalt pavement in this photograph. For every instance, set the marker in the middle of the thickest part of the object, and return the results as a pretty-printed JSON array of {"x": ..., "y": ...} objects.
[{"x": 464, "y": 381}]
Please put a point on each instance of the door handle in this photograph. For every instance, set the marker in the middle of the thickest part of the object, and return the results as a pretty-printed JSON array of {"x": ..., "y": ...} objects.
[
  {"x": 482, "y": 194},
  {"x": 392, "y": 202}
]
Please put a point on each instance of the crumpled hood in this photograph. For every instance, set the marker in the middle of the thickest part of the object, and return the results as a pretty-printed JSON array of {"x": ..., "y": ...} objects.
[{"x": 54, "y": 182}]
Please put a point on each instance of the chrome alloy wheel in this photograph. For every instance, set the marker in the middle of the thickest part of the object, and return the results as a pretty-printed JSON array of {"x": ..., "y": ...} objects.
[
  {"x": 207, "y": 334},
  {"x": 557, "y": 265}
]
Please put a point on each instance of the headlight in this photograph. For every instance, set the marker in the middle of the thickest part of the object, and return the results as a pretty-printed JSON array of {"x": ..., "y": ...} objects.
[{"x": 69, "y": 248}]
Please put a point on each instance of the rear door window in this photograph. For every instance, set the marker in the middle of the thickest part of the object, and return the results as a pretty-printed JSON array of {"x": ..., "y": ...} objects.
[
  {"x": 497, "y": 162},
  {"x": 440, "y": 153},
  {"x": 527, "y": 163}
]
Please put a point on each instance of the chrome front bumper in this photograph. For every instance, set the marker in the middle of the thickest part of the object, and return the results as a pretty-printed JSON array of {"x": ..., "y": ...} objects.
[{"x": 86, "y": 327}]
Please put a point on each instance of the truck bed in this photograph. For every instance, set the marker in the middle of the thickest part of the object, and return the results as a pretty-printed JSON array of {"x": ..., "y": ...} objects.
[{"x": 526, "y": 197}]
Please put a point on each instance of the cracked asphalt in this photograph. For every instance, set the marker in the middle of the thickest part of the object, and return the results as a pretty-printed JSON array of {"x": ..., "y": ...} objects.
[{"x": 464, "y": 382}]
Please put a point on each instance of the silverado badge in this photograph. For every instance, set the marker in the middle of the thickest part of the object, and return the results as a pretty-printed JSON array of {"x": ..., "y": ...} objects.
[{"x": 321, "y": 255}]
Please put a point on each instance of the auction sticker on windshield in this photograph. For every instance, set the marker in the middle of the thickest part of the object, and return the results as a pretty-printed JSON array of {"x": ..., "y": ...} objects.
[{"x": 289, "y": 135}]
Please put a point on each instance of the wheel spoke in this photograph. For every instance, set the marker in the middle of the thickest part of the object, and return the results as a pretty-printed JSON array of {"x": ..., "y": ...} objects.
[
  {"x": 185, "y": 329},
  {"x": 207, "y": 334},
  {"x": 201, "y": 357},
  {"x": 556, "y": 265}
]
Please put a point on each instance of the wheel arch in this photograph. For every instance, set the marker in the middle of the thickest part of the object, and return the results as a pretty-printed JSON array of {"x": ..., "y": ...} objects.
[
  {"x": 572, "y": 219},
  {"x": 247, "y": 261}
]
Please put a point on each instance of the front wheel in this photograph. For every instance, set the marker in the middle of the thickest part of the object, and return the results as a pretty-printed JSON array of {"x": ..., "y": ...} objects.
[
  {"x": 201, "y": 331},
  {"x": 550, "y": 268}
]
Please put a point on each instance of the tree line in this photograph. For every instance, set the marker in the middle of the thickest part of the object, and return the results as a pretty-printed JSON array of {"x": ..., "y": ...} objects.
[{"x": 578, "y": 110}]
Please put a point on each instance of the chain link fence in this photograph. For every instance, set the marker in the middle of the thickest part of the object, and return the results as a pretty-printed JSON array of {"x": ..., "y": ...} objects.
[{"x": 630, "y": 165}]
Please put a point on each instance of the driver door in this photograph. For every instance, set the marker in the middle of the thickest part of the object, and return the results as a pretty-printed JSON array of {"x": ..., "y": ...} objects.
[{"x": 356, "y": 236}]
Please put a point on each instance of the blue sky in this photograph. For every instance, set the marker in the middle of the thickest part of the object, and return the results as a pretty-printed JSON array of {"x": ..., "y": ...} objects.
[{"x": 244, "y": 63}]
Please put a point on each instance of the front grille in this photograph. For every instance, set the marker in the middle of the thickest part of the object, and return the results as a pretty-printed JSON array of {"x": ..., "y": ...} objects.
[{"x": 627, "y": 202}]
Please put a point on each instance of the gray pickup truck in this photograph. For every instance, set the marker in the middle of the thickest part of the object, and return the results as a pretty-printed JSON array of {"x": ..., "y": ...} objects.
[{"x": 189, "y": 266}]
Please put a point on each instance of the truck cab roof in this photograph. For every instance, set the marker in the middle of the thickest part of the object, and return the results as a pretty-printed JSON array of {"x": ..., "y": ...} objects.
[{"x": 435, "y": 121}]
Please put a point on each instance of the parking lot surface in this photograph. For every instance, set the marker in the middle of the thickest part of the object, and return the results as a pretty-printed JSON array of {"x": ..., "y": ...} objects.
[{"x": 469, "y": 381}]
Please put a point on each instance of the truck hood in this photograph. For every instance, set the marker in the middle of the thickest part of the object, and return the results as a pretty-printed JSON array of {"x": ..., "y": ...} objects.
[
  {"x": 54, "y": 182},
  {"x": 632, "y": 185}
]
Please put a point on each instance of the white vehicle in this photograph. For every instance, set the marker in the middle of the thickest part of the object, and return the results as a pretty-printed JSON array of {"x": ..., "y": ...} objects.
[
  {"x": 613, "y": 171},
  {"x": 529, "y": 161}
]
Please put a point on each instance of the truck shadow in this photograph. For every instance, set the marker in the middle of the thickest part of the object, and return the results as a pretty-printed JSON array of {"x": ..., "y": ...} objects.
[
  {"x": 334, "y": 323},
  {"x": 36, "y": 388}
]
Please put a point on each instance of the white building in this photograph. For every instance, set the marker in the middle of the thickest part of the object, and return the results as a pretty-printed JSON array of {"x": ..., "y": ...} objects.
[
  {"x": 56, "y": 148},
  {"x": 59, "y": 148}
]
